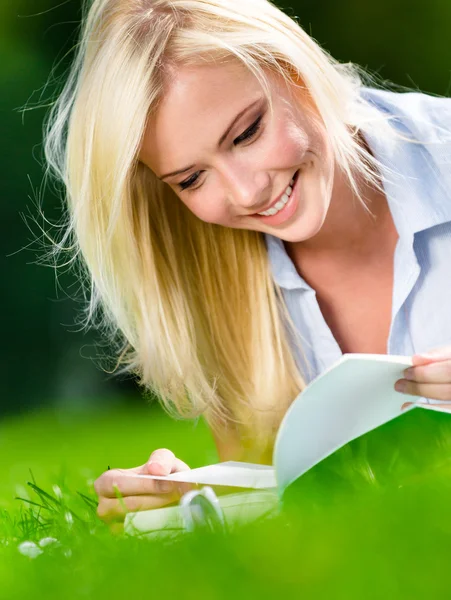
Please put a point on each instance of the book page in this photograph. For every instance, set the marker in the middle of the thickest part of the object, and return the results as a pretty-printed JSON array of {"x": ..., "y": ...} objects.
[
  {"x": 351, "y": 398},
  {"x": 230, "y": 473}
]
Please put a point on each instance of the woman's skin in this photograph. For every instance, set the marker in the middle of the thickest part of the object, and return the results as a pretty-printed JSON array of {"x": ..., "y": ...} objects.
[
  {"x": 120, "y": 492},
  {"x": 229, "y": 175},
  {"x": 229, "y": 183}
]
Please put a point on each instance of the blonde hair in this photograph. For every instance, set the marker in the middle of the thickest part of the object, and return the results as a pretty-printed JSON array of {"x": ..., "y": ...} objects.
[{"x": 191, "y": 306}]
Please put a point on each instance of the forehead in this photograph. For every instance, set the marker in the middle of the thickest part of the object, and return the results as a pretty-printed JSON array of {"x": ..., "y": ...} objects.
[{"x": 198, "y": 104}]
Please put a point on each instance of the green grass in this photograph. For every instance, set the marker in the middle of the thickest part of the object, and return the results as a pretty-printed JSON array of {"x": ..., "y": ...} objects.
[
  {"x": 371, "y": 521},
  {"x": 81, "y": 445}
]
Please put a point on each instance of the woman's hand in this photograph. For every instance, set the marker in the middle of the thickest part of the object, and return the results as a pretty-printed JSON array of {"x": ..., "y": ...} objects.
[
  {"x": 429, "y": 377},
  {"x": 120, "y": 492}
]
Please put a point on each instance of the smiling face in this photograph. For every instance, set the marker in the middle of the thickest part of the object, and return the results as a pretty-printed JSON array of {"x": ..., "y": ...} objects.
[{"x": 214, "y": 140}]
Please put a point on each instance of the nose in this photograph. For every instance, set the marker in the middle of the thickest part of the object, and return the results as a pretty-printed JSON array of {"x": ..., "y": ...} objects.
[{"x": 246, "y": 187}]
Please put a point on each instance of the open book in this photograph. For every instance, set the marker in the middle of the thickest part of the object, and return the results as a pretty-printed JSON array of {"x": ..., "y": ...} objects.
[{"x": 349, "y": 399}]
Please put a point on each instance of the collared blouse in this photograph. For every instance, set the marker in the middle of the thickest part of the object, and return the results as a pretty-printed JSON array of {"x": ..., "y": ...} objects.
[{"x": 417, "y": 184}]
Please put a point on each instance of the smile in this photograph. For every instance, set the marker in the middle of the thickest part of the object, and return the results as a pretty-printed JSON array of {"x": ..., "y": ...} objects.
[
  {"x": 277, "y": 206},
  {"x": 283, "y": 207}
]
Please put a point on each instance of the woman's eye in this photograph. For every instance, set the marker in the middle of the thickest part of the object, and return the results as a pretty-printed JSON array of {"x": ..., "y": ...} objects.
[
  {"x": 183, "y": 185},
  {"x": 246, "y": 135},
  {"x": 250, "y": 131}
]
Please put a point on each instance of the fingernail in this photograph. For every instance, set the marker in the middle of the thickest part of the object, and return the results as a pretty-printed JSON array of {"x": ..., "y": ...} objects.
[
  {"x": 165, "y": 486},
  {"x": 400, "y": 386},
  {"x": 409, "y": 374}
]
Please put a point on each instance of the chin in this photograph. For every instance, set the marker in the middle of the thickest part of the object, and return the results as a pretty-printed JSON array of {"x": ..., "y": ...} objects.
[{"x": 301, "y": 230}]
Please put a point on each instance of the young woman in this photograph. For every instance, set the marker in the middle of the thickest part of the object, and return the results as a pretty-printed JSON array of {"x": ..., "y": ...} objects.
[{"x": 245, "y": 210}]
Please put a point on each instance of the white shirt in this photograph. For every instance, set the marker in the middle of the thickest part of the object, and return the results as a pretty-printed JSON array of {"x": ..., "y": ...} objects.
[{"x": 419, "y": 197}]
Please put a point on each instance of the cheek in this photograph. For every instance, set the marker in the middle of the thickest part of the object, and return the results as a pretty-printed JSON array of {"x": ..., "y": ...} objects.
[
  {"x": 297, "y": 138},
  {"x": 205, "y": 208},
  {"x": 291, "y": 142}
]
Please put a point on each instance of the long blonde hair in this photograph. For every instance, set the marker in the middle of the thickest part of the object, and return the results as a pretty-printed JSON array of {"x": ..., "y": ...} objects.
[{"x": 191, "y": 306}]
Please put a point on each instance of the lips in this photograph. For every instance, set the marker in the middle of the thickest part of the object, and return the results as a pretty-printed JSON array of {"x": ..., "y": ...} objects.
[
  {"x": 273, "y": 204},
  {"x": 286, "y": 212}
]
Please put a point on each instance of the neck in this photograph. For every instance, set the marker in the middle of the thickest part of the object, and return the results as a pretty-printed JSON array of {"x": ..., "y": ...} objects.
[{"x": 349, "y": 229}]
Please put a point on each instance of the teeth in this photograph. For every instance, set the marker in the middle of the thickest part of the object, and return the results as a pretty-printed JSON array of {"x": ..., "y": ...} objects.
[{"x": 286, "y": 195}]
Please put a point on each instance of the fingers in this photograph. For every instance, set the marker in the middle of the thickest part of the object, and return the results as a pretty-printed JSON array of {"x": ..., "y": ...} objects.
[
  {"x": 110, "y": 509},
  {"x": 436, "y": 354},
  {"x": 164, "y": 462},
  {"x": 437, "y": 372},
  {"x": 156, "y": 468},
  {"x": 123, "y": 482},
  {"x": 431, "y": 380},
  {"x": 435, "y": 391},
  {"x": 173, "y": 465}
]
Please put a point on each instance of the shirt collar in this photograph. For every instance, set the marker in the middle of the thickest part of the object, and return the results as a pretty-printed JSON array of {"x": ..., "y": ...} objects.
[
  {"x": 416, "y": 177},
  {"x": 283, "y": 269}
]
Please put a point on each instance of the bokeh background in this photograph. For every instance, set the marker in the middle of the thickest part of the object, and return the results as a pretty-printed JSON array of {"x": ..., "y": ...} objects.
[{"x": 48, "y": 364}]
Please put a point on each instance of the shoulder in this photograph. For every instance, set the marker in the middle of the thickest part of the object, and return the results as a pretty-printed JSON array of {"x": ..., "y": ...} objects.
[
  {"x": 423, "y": 114},
  {"x": 418, "y": 149}
]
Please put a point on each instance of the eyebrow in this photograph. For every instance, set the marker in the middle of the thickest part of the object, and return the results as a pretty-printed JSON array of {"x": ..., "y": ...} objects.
[{"x": 221, "y": 139}]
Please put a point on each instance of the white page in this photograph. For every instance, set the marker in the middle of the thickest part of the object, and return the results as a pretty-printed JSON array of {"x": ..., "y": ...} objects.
[
  {"x": 230, "y": 473},
  {"x": 351, "y": 398}
]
